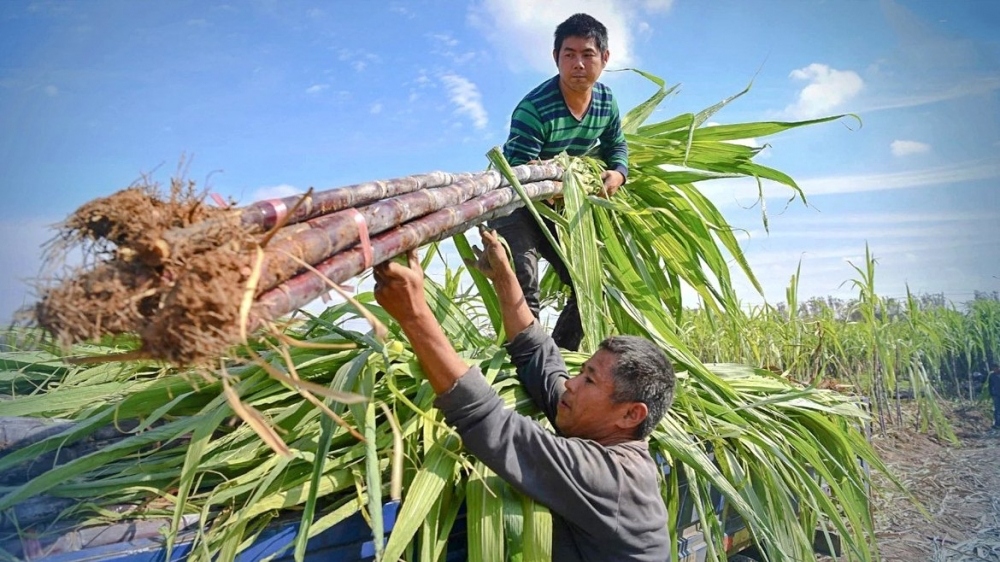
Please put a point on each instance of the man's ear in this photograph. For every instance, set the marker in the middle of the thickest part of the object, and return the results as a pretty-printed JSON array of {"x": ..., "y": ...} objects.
[
  {"x": 555, "y": 56},
  {"x": 605, "y": 56},
  {"x": 633, "y": 416}
]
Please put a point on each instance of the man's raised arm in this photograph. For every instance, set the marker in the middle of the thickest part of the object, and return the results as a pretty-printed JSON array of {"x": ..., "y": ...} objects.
[
  {"x": 492, "y": 262},
  {"x": 400, "y": 291}
]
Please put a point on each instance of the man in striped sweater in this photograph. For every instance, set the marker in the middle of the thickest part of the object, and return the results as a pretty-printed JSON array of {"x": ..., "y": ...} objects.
[{"x": 574, "y": 113}]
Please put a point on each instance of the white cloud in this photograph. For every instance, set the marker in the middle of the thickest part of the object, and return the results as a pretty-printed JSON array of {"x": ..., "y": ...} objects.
[
  {"x": 444, "y": 38},
  {"x": 721, "y": 190},
  {"x": 828, "y": 89},
  {"x": 522, "y": 29},
  {"x": 658, "y": 5},
  {"x": 401, "y": 9},
  {"x": 51, "y": 91},
  {"x": 950, "y": 264},
  {"x": 949, "y": 249},
  {"x": 906, "y": 147},
  {"x": 929, "y": 63},
  {"x": 358, "y": 59},
  {"x": 445, "y": 45},
  {"x": 316, "y": 88},
  {"x": 462, "y": 58},
  {"x": 942, "y": 175},
  {"x": 840, "y": 232},
  {"x": 375, "y": 109},
  {"x": 968, "y": 87},
  {"x": 197, "y": 22},
  {"x": 822, "y": 221},
  {"x": 465, "y": 95},
  {"x": 275, "y": 192}
]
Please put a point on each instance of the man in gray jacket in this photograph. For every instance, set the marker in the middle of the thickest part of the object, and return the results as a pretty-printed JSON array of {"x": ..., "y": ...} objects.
[{"x": 595, "y": 475}]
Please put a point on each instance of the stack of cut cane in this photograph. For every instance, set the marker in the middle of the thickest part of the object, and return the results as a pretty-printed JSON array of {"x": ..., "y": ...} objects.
[{"x": 191, "y": 280}]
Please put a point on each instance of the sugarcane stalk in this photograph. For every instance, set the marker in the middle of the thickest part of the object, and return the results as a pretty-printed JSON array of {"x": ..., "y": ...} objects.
[
  {"x": 322, "y": 237},
  {"x": 324, "y": 202},
  {"x": 263, "y": 215},
  {"x": 303, "y": 288}
]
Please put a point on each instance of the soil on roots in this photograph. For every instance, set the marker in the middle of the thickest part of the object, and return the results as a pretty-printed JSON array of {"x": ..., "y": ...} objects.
[{"x": 182, "y": 300}]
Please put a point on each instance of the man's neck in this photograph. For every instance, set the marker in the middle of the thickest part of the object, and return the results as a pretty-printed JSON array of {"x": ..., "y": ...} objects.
[
  {"x": 618, "y": 440},
  {"x": 577, "y": 102}
]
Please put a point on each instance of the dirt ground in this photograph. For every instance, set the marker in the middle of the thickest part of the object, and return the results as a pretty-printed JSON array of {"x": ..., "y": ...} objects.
[{"x": 957, "y": 484}]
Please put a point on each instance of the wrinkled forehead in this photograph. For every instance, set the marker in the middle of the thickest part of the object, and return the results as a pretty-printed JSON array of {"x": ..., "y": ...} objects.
[{"x": 601, "y": 365}]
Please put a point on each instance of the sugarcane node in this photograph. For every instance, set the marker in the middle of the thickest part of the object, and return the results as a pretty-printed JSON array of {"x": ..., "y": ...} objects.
[{"x": 285, "y": 217}]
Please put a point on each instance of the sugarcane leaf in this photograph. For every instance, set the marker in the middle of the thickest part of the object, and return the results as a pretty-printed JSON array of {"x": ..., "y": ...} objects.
[
  {"x": 67, "y": 400},
  {"x": 638, "y": 114},
  {"x": 209, "y": 421},
  {"x": 486, "y": 292},
  {"x": 485, "y": 515},
  {"x": 742, "y": 131},
  {"x": 584, "y": 262},
  {"x": 497, "y": 159},
  {"x": 373, "y": 477},
  {"x": 536, "y": 545},
  {"x": 81, "y": 465},
  {"x": 424, "y": 492}
]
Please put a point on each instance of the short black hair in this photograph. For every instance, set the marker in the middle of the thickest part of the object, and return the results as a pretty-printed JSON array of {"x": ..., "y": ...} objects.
[
  {"x": 582, "y": 25},
  {"x": 642, "y": 373}
]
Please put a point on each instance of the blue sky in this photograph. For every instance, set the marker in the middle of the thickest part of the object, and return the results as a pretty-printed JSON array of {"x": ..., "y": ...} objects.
[{"x": 264, "y": 97}]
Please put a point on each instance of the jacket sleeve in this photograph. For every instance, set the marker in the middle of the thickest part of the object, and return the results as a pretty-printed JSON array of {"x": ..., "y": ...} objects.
[
  {"x": 576, "y": 478},
  {"x": 540, "y": 368}
]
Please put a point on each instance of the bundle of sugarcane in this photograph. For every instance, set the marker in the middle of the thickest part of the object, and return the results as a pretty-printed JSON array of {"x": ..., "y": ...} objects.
[{"x": 192, "y": 280}]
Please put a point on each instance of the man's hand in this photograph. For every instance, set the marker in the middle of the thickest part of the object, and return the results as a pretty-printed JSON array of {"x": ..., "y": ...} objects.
[
  {"x": 400, "y": 289},
  {"x": 613, "y": 179},
  {"x": 491, "y": 261}
]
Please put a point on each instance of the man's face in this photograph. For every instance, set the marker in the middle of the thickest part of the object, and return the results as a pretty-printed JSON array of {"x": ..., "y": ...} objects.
[
  {"x": 587, "y": 409},
  {"x": 580, "y": 63}
]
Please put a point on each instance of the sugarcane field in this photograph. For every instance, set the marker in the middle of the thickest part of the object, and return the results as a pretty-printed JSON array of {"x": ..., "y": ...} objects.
[{"x": 306, "y": 281}]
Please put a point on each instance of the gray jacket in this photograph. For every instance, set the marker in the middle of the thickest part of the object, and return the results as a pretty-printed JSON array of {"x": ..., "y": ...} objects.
[{"x": 605, "y": 502}]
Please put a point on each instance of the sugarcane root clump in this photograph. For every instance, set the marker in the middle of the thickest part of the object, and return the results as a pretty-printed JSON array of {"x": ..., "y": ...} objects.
[{"x": 184, "y": 304}]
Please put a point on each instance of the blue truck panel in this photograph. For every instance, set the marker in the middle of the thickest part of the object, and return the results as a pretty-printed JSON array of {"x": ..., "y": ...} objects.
[{"x": 350, "y": 540}]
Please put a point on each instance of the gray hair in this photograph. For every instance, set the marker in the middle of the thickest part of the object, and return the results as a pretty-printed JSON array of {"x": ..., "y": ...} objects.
[{"x": 642, "y": 373}]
